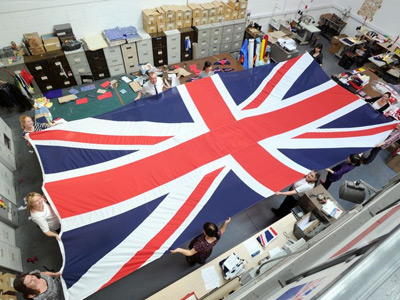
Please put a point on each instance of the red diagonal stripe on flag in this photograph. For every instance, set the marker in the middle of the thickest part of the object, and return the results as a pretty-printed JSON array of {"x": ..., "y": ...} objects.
[
  {"x": 272, "y": 84},
  {"x": 344, "y": 134},
  {"x": 165, "y": 233},
  {"x": 150, "y": 172},
  {"x": 90, "y": 138}
]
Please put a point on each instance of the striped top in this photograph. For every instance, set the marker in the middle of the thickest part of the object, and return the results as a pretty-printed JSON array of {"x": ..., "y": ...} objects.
[{"x": 37, "y": 127}]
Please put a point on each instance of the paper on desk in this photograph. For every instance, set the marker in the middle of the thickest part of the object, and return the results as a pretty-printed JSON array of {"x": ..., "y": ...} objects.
[
  {"x": 101, "y": 91},
  {"x": 210, "y": 278},
  {"x": 252, "y": 246},
  {"x": 126, "y": 79}
]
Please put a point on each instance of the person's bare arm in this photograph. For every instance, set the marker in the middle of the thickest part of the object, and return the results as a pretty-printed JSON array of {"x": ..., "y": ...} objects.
[{"x": 185, "y": 252}]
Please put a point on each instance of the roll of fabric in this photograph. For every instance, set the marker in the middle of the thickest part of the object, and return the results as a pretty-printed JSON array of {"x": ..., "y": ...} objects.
[
  {"x": 250, "y": 53},
  {"x": 262, "y": 49},
  {"x": 258, "y": 49},
  {"x": 194, "y": 46}
]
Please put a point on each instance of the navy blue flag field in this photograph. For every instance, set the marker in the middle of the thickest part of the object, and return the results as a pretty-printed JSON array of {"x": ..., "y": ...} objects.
[{"x": 135, "y": 182}]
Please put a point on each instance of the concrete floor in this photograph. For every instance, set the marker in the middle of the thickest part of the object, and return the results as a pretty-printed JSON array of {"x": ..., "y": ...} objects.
[{"x": 169, "y": 268}]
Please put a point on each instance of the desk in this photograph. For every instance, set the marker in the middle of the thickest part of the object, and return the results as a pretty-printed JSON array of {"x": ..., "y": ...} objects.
[
  {"x": 309, "y": 202},
  {"x": 331, "y": 25},
  {"x": 308, "y": 29},
  {"x": 366, "y": 89},
  {"x": 194, "y": 282},
  {"x": 395, "y": 72},
  {"x": 199, "y": 63},
  {"x": 390, "y": 49},
  {"x": 379, "y": 63},
  {"x": 348, "y": 42}
]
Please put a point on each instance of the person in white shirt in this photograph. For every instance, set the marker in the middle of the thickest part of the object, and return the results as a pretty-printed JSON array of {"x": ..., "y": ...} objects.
[
  {"x": 152, "y": 87},
  {"x": 42, "y": 214},
  {"x": 296, "y": 191}
]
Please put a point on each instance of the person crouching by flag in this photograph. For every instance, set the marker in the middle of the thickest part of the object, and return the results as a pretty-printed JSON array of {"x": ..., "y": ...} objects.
[
  {"x": 200, "y": 247},
  {"x": 334, "y": 174},
  {"x": 295, "y": 192}
]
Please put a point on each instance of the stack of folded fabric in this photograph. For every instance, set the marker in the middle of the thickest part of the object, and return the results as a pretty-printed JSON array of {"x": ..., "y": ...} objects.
[{"x": 121, "y": 35}]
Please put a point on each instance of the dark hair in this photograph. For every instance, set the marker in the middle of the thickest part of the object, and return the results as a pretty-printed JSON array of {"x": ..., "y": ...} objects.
[
  {"x": 389, "y": 94},
  {"x": 207, "y": 64},
  {"x": 319, "y": 46},
  {"x": 317, "y": 175},
  {"x": 211, "y": 230},
  {"x": 21, "y": 287},
  {"x": 355, "y": 159}
]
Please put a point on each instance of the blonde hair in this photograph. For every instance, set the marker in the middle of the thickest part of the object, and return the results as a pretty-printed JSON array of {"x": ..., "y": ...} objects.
[
  {"x": 22, "y": 120},
  {"x": 29, "y": 200}
]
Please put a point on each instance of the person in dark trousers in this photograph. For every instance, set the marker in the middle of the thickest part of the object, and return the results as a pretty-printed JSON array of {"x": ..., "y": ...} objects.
[
  {"x": 200, "y": 248},
  {"x": 380, "y": 103},
  {"x": 334, "y": 174},
  {"x": 317, "y": 54},
  {"x": 296, "y": 191}
]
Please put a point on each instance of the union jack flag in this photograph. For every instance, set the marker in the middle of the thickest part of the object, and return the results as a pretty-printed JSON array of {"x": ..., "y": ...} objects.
[{"x": 131, "y": 184}]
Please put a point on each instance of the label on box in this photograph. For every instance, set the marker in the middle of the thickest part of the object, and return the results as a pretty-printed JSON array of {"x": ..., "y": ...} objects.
[{"x": 38, "y": 68}]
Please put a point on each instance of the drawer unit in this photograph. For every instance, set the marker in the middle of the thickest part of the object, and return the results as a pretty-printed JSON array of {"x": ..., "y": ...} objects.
[
  {"x": 145, "y": 49},
  {"x": 228, "y": 28},
  {"x": 239, "y": 26},
  {"x": 226, "y": 47},
  {"x": 9, "y": 213},
  {"x": 98, "y": 64},
  {"x": 84, "y": 78},
  {"x": 173, "y": 46},
  {"x": 81, "y": 69},
  {"x": 114, "y": 60},
  {"x": 202, "y": 52},
  {"x": 202, "y": 32},
  {"x": 187, "y": 38},
  {"x": 226, "y": 38},
  {"x": 236, "y": 45},
  {"x": 130, "y": 56},
  {"x": 216, "y": 30},
  {"x": 214, "y": 49},
  {"x": 238, "y": 37},
  {"x": 117, "y": 70},
  {"x": 51, "y": 70},
  {"x": 10, "y": 257},
  {"x": 79, "y": 64},
  {"x": 216, "y": 40},
  {"x": 7, "y": 234},
  {"x": 160, "y": 52}
]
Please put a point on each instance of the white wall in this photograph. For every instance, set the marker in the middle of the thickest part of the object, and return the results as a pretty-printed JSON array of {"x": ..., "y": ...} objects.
[{"x": 89, "y": 17}]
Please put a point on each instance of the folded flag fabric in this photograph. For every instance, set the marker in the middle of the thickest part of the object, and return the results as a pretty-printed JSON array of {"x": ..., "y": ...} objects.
[
  {"x": 226, "y": 70},
  {"x": 223, "y": 61},
  {"x": 88, "y": 87},
  {"x": 81, "y": 101},
  {"x": 217, "y": 70},
  {"x": 105, "y": 84},
  {"x": 267, "y": 236},
  {"x": 104, "y": 96}
]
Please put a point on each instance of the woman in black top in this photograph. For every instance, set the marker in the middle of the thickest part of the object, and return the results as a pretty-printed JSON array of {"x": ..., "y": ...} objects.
[
  {"x": 317, "y": 54},
  {"x": 380, "y": 103}
]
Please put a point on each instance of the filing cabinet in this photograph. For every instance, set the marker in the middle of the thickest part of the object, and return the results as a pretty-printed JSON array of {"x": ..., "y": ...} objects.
[
  {"x": 145, "y": 49},
  {"x": 98, "y": 64},
  {"x": 51, "y": 70},
  {"x": 186, "y": 52},
  {"x": 114, "y": 60},
  {"x": 202, "y": 35},
  {"x": 173, "y": 46},
  {"x": 7, "y": 184},
  {"x": 159, "y": 43},
  {"x": 79, "y": 64},
  {"x": 8, "y": 212},
  {"x": 10, "y": 257},
  {"x": 7, "y": 155},
  {"x": 228, "y": 28},
  {"x": 130, "y": 56}
]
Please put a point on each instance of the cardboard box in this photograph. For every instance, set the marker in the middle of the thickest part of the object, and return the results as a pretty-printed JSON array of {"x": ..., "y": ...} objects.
[
  {"x": 150, "y": 28},
  {"x": 220, "y": 18},
  {"x": 178, "y": 12},
  {"x": 149, "y": 16},
  {"x": 170, "y": 14},
  {"x": 179, "y": 24},
  {"x": 203, "y": 21},
  {"x": 187, "y": 23},
  {"x": 219, "y": 8},
  {"x": 394, "y": 163},
  {"x": 212, "y": 11},
  {"x": 161, "y": 27},
  {"x": 196, "y": 21},
  {"x": 212, "y": 19},
  {"x": 160, "y": 16},
  {"x": 187, "y": 12},
  {"x": 242, "y": 13},
  {"x": 205, "y": 11},
  {"x": 235, "y": 15},
  {"x": 52, "y": 44},
  {"x": 305, "y": 225},
  {"x": 33, "y": 39},
  {"x": 37, "y": 50},
  {"x": 7, "y": 283},
  {"x": 335, "y": 43},
  {"x": 196, "y": 10},
  {"x": 170, "y": 25},
  {"x": 63, "y": 29},
  {"x": 234, "y": 5},
  {"x": 243, "y": 4}
]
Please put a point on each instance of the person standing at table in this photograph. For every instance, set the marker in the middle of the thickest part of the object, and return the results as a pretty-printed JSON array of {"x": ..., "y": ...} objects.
[
  {"x": 200, "y": 248},
  {"x": 334, "y": 174},
  {"x": 153, "y": 87},
  {"x": 317, "y": 54},
  {"x": 207, "y": 70},
  {"x": 297, "y": 190}
]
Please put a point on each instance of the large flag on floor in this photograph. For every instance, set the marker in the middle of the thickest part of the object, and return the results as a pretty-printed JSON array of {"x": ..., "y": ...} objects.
[{"x": 133, "y": 183}]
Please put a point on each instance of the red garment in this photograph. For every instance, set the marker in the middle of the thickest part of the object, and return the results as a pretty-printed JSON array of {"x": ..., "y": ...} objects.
[{"x": 27, "y": 77}]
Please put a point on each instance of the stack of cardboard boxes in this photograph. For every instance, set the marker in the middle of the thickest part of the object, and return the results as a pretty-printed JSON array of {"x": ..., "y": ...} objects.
[
  {"x": 169, "y": 17},
  {"x": 34, "y": 43},
  {"x": 6, "y": 286}
]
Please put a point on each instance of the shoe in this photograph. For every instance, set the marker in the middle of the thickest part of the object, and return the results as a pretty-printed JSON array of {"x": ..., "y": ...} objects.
[{"x": 275, "y": 211}]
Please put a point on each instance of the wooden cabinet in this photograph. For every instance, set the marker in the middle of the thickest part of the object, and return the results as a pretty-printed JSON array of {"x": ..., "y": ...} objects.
[{"x": 51, "y": 70}]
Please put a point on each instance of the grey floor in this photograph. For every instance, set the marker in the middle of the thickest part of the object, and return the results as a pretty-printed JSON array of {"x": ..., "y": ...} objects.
[{"x": 169, "y": 268}]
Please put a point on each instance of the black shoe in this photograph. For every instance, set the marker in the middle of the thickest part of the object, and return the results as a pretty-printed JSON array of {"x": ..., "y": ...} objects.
[{"x": 275, "y": 211}]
